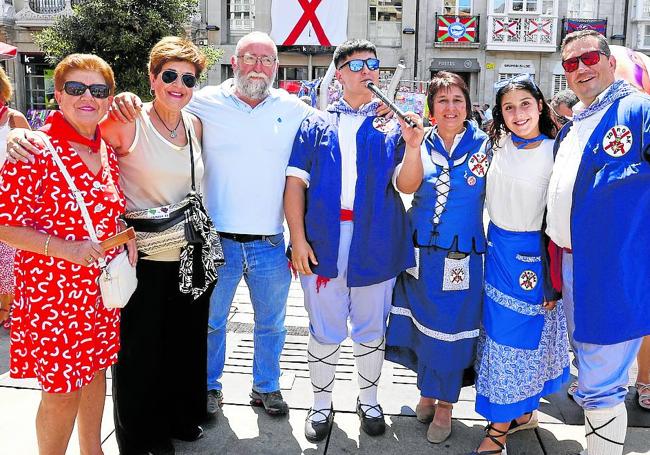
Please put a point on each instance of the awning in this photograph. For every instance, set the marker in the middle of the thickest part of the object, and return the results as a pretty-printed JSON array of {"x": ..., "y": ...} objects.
[{"x": 7, "y": 51}]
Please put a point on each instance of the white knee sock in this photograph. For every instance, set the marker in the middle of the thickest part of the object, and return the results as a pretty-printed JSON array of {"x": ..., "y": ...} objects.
[
  {"x": 605, "y": 429},
  {"x": 322, "y": 359},
  {"x": 369, "y": 358}
]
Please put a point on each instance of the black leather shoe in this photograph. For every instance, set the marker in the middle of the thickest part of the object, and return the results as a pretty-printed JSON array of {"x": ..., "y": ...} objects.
[
  {"x": 272, "y": 402},
  {"x": 188, "y": 434},
  {"x": 372, "y": 426},
  {"x": 317, "y": 431},
  {"x": 215, "y": 401}
]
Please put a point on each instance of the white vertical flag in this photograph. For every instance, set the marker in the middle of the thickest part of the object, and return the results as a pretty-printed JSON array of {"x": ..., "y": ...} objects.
[{"x": 309, "y": 22}]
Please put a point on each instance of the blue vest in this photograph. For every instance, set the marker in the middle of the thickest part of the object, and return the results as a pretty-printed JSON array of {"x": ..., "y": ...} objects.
[
  {"x": 380, "y": 248},
  {"x": 610, "y": 226},
  {"x": 460, "y": 226}
]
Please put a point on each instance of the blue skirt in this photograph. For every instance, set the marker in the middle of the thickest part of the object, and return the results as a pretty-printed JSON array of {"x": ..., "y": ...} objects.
[
  {"x": 523, "y": 351},
  {"x": 434, "y": 321}
]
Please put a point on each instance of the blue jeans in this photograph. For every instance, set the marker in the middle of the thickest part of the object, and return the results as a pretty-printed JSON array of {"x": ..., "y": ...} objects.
[{"x": 264, "y": 266}]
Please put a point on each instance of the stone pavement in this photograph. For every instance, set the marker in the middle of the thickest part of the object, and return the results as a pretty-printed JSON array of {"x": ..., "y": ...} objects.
[{"x": 241, "y": 429}]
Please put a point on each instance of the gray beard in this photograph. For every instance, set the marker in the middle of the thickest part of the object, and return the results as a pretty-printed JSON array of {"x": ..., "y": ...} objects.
[{"x": 253, "y": 89}]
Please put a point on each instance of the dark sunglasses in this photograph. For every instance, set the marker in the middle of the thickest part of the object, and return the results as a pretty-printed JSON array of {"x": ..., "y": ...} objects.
[
  {"x": 588, "y": 58},
  {"x": 74, "y": 88},
  {"x": 169, "y": 76},
  {"x": 356, "y": 65}
]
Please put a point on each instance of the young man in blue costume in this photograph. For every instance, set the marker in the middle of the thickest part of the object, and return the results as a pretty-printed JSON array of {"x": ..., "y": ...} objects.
[
  {"x": 349, "y": 232},
  {"x": 598, "y": 215}
]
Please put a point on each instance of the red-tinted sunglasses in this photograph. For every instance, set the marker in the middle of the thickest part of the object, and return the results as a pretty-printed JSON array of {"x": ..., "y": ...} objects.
[{"x": 588, "y": 58}]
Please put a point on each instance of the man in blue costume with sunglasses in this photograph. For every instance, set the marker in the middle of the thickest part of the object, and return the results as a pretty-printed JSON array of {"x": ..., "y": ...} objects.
[
  {"x": 598, "y": 215},
  {"x": 349, "y": 232}
]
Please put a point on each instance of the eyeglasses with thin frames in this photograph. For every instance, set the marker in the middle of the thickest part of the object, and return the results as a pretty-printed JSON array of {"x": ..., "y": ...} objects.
[{"x": 250, "y": 59}]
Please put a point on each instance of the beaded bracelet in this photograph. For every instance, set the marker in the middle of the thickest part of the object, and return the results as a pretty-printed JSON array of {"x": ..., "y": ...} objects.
[{"x": 47, "y": 244}]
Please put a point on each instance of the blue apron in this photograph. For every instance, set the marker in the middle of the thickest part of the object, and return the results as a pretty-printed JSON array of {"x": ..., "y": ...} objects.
[{"x": 514, "y": 292}]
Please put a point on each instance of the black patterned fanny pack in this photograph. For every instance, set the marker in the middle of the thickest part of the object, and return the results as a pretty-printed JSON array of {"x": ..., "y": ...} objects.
[{"x": 185, "y": 225}]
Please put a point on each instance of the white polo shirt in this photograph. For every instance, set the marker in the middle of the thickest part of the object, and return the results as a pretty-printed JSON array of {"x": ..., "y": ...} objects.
[{"x": 245, "y": 153}]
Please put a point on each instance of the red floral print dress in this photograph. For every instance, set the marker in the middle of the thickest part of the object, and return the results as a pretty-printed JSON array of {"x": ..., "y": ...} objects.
[{"x": 61, "y": 333}]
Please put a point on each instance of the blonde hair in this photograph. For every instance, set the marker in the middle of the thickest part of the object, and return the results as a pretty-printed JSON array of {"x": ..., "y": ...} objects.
[
  {"x": 175, "y": 49},
  {"x": 84, "y": 62},
  {"x": 5, "y": 86}
]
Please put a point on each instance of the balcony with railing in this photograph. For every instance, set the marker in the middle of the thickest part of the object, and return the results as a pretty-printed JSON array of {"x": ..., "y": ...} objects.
[
  {"x": 42, "y": 13},
  {"x": 522, "y": 32}
]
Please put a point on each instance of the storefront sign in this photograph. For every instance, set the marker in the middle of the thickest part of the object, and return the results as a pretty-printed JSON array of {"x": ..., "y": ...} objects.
[
  {"x": 457, "y": 65},
  {"x": 517, "y": 67}
]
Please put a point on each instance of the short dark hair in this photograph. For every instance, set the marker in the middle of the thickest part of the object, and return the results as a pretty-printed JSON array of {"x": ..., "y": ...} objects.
[
  {"x": 498, "y": 127},
  {"x": 445, "y": 80},
  {"x": 348, "y": 48},
  {"x": 582, "y": 34},
  {"x": 564, "y": 97}
]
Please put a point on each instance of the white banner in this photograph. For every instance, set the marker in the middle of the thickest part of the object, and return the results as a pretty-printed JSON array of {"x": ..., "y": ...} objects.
[{"x": 309, "y": 22}]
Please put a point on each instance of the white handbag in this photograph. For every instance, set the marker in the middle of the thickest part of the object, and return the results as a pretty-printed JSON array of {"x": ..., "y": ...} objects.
[{"x": 118, "y": 280}]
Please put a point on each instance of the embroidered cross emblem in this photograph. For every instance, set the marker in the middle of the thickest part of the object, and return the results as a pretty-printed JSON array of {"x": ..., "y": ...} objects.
[
  {"x": 528, "y": 280},
  {"x": 618, "y": 141},
  {"x": 457, "y": 276},
  {"x": 479, "y": 164}
]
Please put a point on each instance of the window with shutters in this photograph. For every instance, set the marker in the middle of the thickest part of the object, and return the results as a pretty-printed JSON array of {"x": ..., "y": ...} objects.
[
  {"x": 457, "y": 7},
  {"x": 241, "y": 17},
  {"x": 385, "y": 22},
  {"x": 582, "y": 9},
  {"x": 559, "y": 83}
]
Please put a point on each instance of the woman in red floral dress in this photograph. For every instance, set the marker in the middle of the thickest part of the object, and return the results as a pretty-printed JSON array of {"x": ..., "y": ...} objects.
[{"x": 61, "y": 332}]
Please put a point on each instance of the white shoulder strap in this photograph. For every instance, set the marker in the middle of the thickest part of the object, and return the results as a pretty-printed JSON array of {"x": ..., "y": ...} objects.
[{"x": 75, "y": 192}]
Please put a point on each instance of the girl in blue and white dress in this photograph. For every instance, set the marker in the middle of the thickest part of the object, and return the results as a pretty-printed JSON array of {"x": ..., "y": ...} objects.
[{"x": 523, "y": 348}]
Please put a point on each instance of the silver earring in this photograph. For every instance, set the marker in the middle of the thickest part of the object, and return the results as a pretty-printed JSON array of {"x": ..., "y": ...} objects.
[{"x": 152, "y": 93}]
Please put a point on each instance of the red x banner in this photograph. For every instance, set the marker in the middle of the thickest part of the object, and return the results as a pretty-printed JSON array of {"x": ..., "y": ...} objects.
[{"x": 309, "y": 22}]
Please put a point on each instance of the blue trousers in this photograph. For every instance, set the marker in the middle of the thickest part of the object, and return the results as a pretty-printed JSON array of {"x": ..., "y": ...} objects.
[
  {"x": 264, "y": 266},
  {"x": 602, "y": 369}
]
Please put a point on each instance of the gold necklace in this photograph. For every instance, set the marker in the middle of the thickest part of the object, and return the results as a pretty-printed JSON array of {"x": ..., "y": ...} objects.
[{"x": 172, "y": 132}]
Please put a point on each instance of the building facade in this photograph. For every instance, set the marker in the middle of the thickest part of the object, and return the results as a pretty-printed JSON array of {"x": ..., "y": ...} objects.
[{"x": 483, "y": 40}]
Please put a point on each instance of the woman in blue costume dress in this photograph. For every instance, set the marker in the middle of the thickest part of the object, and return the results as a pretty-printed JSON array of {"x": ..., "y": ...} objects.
[
  {"x": 523, "y": 347},
  {"x": 435, "y": 317}
]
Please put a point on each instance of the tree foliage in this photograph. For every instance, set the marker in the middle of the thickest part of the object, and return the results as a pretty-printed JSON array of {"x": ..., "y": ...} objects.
[{"x": 122, "y": 32}]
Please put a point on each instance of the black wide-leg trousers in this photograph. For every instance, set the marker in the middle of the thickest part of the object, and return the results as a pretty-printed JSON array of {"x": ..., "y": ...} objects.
[{"x": 159, "y": 380}]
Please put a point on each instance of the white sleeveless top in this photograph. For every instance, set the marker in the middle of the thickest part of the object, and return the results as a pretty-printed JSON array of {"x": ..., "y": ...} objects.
[
  {"x": 517, "y": 184},
  {"x": 155, "y": 172}
]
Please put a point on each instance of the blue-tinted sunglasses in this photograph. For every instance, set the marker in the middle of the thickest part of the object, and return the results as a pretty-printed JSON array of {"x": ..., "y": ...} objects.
[{"x": 356, "y": 65}]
